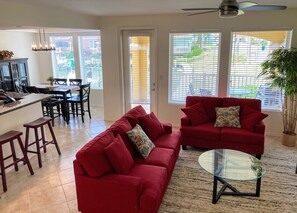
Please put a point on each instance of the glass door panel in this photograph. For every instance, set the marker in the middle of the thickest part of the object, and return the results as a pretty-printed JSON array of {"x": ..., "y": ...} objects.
[{"x": 139, "y": 47}]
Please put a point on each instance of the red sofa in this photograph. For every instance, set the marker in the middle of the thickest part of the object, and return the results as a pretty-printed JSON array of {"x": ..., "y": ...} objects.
[
  {"x": 207, "y": 136},
  {"x": 100, "y": 189}
]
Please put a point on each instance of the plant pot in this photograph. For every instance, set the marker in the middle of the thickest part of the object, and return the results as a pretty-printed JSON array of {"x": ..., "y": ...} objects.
[{"x": 289, "y": 140}]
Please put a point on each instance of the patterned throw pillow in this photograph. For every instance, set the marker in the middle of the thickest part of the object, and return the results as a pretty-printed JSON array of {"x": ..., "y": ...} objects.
[
  {"x": 228, "y": 117},
  {"x": 141, "y": 141}
]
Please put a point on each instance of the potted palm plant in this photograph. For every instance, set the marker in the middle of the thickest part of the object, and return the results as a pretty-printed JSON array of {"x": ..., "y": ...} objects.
[{"x": 281, "y": 70}]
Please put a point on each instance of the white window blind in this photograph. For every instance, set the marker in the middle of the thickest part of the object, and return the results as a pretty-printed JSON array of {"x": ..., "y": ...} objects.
[
  {"x": 193, "y": 65},
  {"x": 249, "y": 51}
]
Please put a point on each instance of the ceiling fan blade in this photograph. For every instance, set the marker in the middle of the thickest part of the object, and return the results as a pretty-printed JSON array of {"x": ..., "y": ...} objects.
[
  {"x": 193, "y": 14},
  {"x": 265, "y": 7},
  {"x": 240, "y": 12},
  {"x": 246, "y": 4},
  {"x": 190, "y": 9}
]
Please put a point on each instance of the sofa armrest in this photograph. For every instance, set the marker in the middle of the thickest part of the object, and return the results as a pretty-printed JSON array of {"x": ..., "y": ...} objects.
[
  {"x": 185, "y": 120},
  {"x": 260, "y": 128},
  {"x": 102, "y": 192},
  {"x": 78, "y": 168},
  {"x": 167, "y": 127}
]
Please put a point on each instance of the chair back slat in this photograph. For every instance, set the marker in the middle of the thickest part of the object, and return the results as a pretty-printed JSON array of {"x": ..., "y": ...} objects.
[
  {"x": 84, "y": 91},
  {"x": 60, "y": 81},
  {"x": 30, "y": 89},
  {"x": 43, "y": 90},
  {"x": 75, "y": 81}
]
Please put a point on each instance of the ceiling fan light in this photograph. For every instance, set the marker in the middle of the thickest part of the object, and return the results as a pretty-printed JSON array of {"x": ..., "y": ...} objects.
[{"x": 228, "y": 13}]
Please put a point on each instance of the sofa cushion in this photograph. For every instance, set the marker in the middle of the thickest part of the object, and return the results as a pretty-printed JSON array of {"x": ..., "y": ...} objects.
[
  {"x": 153, "y": 183},
  {"x": 158, "y": 157},
  {"x": 250, "y": 117},
  {"x": 119, "y": 156},
  {"x": 241, "y": 136},
  {"x": 133, "y": 114},
  {"x": 228, "y": 117},
  {"x": 203, "y": 131},
  {"x": 92, "y": 156},
  {"x": 151, "y": 125},
  {"x": 141, "y": 141},
  {"x": 122, "y": 126},
  {"x": 170, "y": 141},
  {"x": 196, "y": 113},
  {"x": 253, "y": 103},
  {"x": 209, "y": 104}
]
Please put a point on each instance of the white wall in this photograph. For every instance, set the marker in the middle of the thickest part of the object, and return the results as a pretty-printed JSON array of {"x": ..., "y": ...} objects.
[
  {"x": 17, "y": 15},
  {"x": 20, "y": 44},
  {"x": 110, "y": 32}
]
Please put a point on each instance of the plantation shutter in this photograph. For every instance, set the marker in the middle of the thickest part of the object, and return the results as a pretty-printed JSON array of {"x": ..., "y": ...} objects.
[
  {"x": 249, "y": 51},
  {"x": 193, "y": 65}
]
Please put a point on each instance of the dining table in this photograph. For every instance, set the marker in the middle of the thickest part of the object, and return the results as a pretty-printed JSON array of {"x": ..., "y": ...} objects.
[{"x": 62, "y": 91}]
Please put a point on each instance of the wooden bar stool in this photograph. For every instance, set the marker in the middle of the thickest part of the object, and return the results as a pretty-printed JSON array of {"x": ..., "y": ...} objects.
[
  {"x": 9, "y": 137},
  {"x": 40, "y": 123}
]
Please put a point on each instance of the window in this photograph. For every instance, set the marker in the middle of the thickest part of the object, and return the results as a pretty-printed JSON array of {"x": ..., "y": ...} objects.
[
  {"x": 90, "y": 60},
  {"x": 63, "y": 56},
  {"x": 82, "y": 49},
  {"x": 249, "y": 51},
  {"x": 193, "y": 65}
]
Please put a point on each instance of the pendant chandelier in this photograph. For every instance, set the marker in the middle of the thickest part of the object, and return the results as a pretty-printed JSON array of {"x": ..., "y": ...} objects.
[{"x": 42, "y": 45}]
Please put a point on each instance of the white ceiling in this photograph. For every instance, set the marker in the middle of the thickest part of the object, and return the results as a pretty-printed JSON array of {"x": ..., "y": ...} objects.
[{"x": 137, "y": 7}]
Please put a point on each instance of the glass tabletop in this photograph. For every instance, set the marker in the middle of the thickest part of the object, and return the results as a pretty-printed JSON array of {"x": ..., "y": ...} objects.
[{"x": 231, "y": 164}]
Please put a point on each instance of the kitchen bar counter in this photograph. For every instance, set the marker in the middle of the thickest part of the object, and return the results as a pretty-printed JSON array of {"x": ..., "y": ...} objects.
[{"x": 21, "y": 102}]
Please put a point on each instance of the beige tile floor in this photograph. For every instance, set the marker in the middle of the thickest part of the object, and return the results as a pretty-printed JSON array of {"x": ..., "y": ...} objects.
[{"x": 52, "y": 187}]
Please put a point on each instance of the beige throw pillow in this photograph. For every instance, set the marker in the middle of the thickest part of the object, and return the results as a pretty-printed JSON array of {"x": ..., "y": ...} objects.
[
  {"x": 141, "y": 141},
  {"x": 228, "y": 117}
]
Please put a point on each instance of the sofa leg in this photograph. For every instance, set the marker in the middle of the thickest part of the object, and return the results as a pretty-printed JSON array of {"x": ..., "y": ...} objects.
[
  {"x": 258, "y": 156},
  {"x": 184, "y": 147}
]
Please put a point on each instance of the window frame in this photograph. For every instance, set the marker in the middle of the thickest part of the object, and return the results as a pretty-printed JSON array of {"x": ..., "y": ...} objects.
[
  {"x": 170, "y": 64},
  {"x": 288, "y": 45},
  {"x": 79, "y": 54},
  {"x": 75, "y": 38}
]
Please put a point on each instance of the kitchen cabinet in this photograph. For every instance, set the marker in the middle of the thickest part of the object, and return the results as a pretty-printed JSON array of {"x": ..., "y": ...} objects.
[{"x": 13, "y": 74}]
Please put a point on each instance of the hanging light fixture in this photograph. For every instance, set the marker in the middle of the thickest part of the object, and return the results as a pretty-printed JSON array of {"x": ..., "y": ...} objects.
[{"x": 42, "y": 45}]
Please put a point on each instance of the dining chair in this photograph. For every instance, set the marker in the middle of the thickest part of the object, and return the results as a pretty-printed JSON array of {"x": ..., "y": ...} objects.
[
  {"x": 29, "y": 89},
  {"x": 60, "y": 81},
  {"x": 77, "y": 102},
  {"x": 205, "y": 92},
  {"x": 75, "y": 81},
  {"x": 191, "y": 91},
  {"x": 51, "y": 106}
]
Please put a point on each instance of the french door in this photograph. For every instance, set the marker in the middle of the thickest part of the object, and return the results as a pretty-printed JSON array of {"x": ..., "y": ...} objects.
[{"x": 139, "y": 69}]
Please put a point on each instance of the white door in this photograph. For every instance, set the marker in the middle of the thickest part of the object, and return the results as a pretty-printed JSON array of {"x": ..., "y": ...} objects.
[{"x": 139, "y": 69}]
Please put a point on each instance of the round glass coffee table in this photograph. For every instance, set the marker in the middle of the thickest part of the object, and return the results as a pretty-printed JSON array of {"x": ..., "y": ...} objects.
[{"x": 227, "y": 164}]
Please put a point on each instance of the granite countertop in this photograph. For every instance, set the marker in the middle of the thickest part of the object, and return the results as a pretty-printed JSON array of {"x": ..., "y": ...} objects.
[{"x": 22, "y": 100}]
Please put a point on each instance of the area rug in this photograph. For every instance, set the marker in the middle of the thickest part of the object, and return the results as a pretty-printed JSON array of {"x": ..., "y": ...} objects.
[{"x": 190, "y": 188}]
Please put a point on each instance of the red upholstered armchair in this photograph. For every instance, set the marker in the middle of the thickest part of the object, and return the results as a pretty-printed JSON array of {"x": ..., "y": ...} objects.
[{"x": 200, "y": 131}]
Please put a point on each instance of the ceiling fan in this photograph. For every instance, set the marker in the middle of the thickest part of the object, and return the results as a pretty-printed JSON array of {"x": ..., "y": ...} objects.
[{"x": 230, "y": 8}]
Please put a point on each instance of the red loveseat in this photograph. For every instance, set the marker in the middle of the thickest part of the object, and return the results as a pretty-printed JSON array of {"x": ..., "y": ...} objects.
[
  {"x": 100, "y": 189},
  {"x": 205, "y": 135}
]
